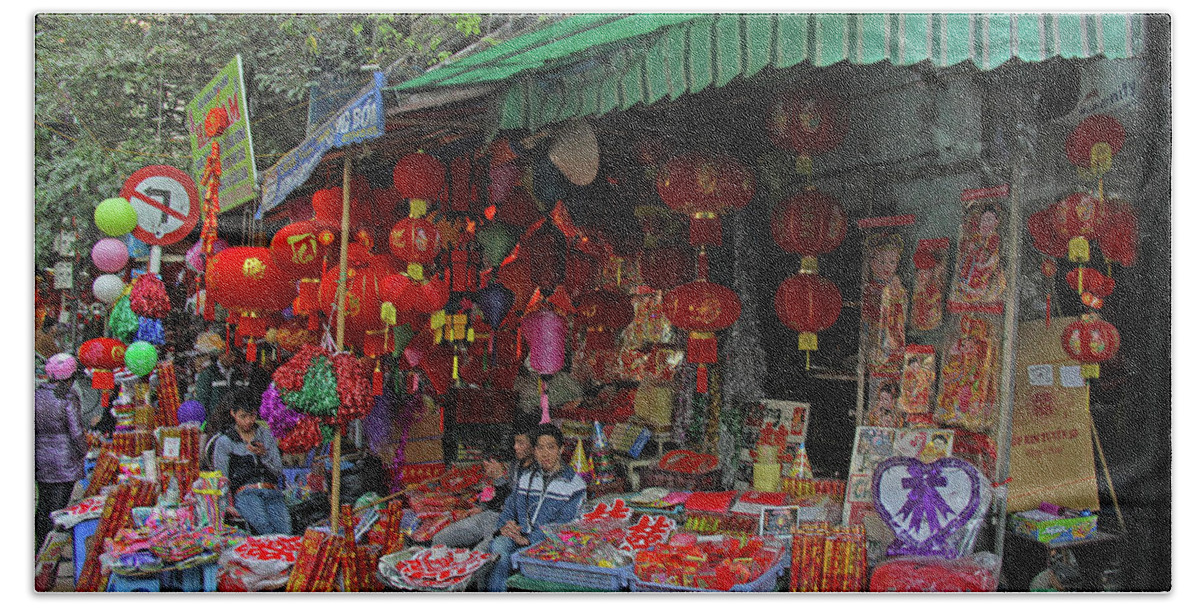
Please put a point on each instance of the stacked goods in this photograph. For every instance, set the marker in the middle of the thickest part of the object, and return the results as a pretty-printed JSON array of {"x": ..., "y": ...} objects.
[
  {"x": 178, "y": 455},
  {"x": 829, "y": 558},
  {"x": 114, "y": 517},
  {"x": 728, "y": 564},
  {"x": 316, "y": 566},
  {"x": 805, "y": 488},
  {"x": 168, "y": 395},
  {"x": 132, "y": 443},
  {"x": 261, "y": 563},
  {"x": 108, "y": 466},
  {"x": 438, "y": 567}
]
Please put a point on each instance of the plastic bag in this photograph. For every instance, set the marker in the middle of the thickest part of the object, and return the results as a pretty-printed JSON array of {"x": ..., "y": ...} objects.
[
  {"x": 262, "y": 562},
  {"x": 979, "y": 572}
]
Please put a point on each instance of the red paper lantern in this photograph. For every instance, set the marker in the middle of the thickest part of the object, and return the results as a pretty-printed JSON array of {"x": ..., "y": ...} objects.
[
  {"x": 409, "y": 296},
  {"x": 1119, "y": 236},
  {"x": 1094, "y": 142},
  {"x": 1046, "y": 238},
  {"x": 420, "y": 176},
  {"x": 704, "y": 186},
  {"x": 806, "y": 123},
  {"x": 103, "y": 355},
  {"x": 666, "y": 267},
  {"x": 1090, "y": 279},
  {"x": 415, "y": 240},
  {"x": 362, "y": 300},
  {"x": 604, "y": 314},
  {"x": 808, "y": 303},
  {"x": 701, "y": 308},
  {"x": 1091, "y": 340},
  {"x": 1078, "y": 218},
  {"x": 327, "y": 204},
  {"x": 809, "y": 223},
  {"x": 246, "y": 279},
  {"x": 299, "y": 249}
]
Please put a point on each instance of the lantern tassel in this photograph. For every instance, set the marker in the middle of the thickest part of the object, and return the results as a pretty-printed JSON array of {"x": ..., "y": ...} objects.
[
  {"x": 251, "y": 351},
  {"x": 377, "y": 381},
  {"x": 545, "y": 406},
  {"x": 454, "y": 369},
  {"x": 702, "y": 379}
]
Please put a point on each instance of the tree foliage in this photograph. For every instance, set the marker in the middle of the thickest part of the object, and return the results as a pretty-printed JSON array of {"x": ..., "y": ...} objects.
[{"x": 110, "y": 89}]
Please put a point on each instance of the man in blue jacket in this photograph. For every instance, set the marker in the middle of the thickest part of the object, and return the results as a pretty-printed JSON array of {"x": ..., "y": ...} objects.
[{"x": 550, "y": 493}]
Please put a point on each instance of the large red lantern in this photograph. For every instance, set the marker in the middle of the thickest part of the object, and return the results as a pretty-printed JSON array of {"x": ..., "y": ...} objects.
[
  {"x": 420, "y": 176},
  {"x": 1094, "y": 143},
  {"x": 415, "y": 240},
  {"x": 1091, "y": 340},
  {"x": 808, "y": 303},
  {"x": 806, "y": 123},
  {"x": 327, "y": 204},
  {"x": 1078, "y": 218},
  {"x": 1119, "y": 236},
  {"x": 362, "y": 300},
  {"x": 103, "y": 355},
  {"x": 809, "y": 223},
  {"x": 299, "y": 249},
  {"x": 1091, "y": 285},
  {"x": 704, "y": 186},
  {"x": 604, "y": 314},
  {"x": 409, "y": 296},
  {"x": 247, "y": 281},
  {"x": 701, "y": 308},
  {"x": 665, "y": 267}
]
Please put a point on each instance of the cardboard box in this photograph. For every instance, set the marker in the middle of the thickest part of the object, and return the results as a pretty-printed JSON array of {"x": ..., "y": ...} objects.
[
  {"x": 1052, "y": 529},
  {"x": 423, "y": 450}
]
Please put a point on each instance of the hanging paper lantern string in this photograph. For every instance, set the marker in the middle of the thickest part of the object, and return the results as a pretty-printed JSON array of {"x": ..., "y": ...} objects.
[{"x": 1091, "y": 340}]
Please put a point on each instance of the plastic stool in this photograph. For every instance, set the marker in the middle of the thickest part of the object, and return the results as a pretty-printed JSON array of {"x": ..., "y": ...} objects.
[
  {"x": 79, "y": 535},
  {"x": 124, "y": 584}
]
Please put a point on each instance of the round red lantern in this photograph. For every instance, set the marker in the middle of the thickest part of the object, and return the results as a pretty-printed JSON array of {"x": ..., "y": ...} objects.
[
  {"x": 808, "y": 303},
  {"x": 1094, "y": 142},
  {"x": 809, "y": 223},
  {"x": 327, "y": 204},
  {"x": 103, "y": 355},
  {"x": 1046, "y": 238},
  {"x": 704, "y": 186},
  {"x": 299, "y": 249},
  {"x": 1091, "y": 340},
  {"x": 1119, "y": 234},
  {"x": 420, "y": 176},
  {"x": 666, "y": 267},
  {"x": 806, "y": 123},
  {"x": 701, "y": 308},
  {"x": 1077, "y": 218},
  {"x": 362, "y": 300},
  {"x": 415, "y": 240},
  {"x": 604, "y": 314},
  {"x": 246, "y": 280}
]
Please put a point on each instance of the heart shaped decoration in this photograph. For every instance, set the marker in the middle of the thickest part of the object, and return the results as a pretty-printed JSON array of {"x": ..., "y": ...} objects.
[{"x": 926, "y": 504}]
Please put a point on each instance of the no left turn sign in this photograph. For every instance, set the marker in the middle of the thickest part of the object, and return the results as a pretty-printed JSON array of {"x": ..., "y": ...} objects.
[{"x": 167, "y": 203}]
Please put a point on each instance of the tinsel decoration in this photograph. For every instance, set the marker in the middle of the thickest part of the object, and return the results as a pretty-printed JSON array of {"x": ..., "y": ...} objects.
[
  {"x": 318, "y": 394},
  {"x": 279, "y": 418},
  {"x": 150, "y": 330},
  {"x": 327, "y": 433},
  {"x": 334, "y": 388},
  {"x": 148, "y": 297},
  {"x": 290, "y": 375},
  {"x": 353, "y": 387},
  {"x": 122, "y": 322},
  {"x": 305, "y": 436}
]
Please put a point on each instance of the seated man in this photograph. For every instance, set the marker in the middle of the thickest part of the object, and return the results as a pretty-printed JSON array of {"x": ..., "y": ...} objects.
[
  {"x": 550, "y": 493},
  {"x": 477, "y": 530},
  {"x": 246, "y": 453}
]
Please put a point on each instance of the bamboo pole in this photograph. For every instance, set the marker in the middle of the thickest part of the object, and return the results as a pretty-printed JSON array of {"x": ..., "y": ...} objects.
[{"x": 335, "y": 488}]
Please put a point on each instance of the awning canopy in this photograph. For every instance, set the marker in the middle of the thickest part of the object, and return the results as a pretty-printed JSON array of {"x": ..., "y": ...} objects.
[{"x": 593, "y": 64}]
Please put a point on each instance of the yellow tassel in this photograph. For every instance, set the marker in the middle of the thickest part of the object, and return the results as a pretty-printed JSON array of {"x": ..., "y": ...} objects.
[
  {"x": 1101, "y": 154},
  {"x": 416, "y": 272},
  {"x": 1079, "y": 276},
  {"x": 808, "y": 265},
  {"x": 470, "y": 334},
  {"x": 387, "y": 313},
  {"x": 1090, "y": 370},
  {"x": 417, "y": 208},
  {"x": 454, "y": 371}
]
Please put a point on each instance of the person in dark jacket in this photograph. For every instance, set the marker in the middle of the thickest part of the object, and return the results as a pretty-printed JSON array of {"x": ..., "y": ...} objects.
[
  {"x": 59, "y": 448},
  {"x": 248, "y": 455},
  {"x": 550, "y": 493},
  {"x": 477, "y": 530},
  {"x": 224, "y": 376}
]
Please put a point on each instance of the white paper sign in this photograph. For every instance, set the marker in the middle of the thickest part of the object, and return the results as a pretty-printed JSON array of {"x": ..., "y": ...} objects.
[
  {"x": 171, "y": 447},
  {"x": 1041, "y": 375},
  {"x": 1070, "y": 377}
]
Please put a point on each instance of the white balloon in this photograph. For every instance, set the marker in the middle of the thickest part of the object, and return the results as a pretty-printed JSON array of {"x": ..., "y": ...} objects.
[{"x": 108, "y": 288}]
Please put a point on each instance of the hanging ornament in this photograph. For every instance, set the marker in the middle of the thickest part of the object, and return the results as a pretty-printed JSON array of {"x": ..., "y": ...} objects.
[
  {"x": 702, "y": 308},
  {"x": 246, "y": 281},
  {"x": 420, "y": 176},
  {"x": 1077, "y": 218},
  {"x": 807, "y": 123},
  {"x": 810, "y": 223},
  {"x": 808, "y": 303},
  {"x": 103, "y": 356},
  {"x": 299, "y": 249},
  {"x": 148, "y": 297},
  {"x": 545, "y": 331},
  {"x": 1119, "y": 236},
  {"x": 703, "y": 186},
  {"x": 1091, "y": 340},
  {"x": 327, "y": 204},
  {"x": 1094, "y": 143}
]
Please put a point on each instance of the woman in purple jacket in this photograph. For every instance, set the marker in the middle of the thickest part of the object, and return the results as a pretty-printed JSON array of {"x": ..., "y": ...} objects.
[{"x": 59, "y": 448}]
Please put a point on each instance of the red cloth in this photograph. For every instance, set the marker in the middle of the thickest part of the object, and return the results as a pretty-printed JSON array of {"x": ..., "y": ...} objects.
[
  {"x": 932, "y": 574},
  {"x": 712, "y": 502}
]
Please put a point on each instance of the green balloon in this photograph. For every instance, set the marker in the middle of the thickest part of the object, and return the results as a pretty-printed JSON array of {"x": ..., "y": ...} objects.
[
  {"x": 497, "y": 240},
  {"x": 115, "y": 216},
  {"x": 141, "y": 357}
]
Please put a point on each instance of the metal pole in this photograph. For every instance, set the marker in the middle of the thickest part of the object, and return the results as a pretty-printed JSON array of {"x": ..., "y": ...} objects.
[{"x": 336, "y": 451}]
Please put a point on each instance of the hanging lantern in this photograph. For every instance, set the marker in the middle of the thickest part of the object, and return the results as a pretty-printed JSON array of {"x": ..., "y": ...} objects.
[
  {"x": 299, "y": 249},
  {"x": 246, "y": 281},
  {"x": 546, "y": 333},
  {"x": 409, "y": 296},
  {"x": 809, "y": 223},
  {"x": 665, "y": 267},
  {"x": 1091, "y": 340},
  {"x": 497, "y": 240},
  {"x": 604, "y": 314},
  {"x": 327, "y": 204},
  {"x": 1119, "y": 235},
  {"x": 806, "y": 123},
  {"x": 704, "y": 186},
  {"x": 1094, "y": 143},
  {"x": 362, "y": 300},
  {"x": 701, "y": 308},
  {"x": 420, "y": 176},
  {"x": 415, "y": 240},
  {"x": 494, "y": 302},
  {"x": 103, "y": 355},
  {"x": 1077, "y": 218},
  {"x": 808, "y": 303}
]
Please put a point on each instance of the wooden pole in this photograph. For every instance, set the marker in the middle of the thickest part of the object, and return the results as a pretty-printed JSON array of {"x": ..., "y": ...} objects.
[{"x": 335, "y": 488}]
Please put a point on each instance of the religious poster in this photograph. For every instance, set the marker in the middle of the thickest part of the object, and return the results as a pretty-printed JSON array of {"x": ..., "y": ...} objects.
[
  {"x": 917, "y": 380},
  {"x": 979, "y": 280},
  {"x": 882, "y": 410},
  {"x": 970, "y": 368},
  {"x": 1051, "y": 459},
  {"x": 884, "y": 304},
  {"x": 929, "y": 284}
]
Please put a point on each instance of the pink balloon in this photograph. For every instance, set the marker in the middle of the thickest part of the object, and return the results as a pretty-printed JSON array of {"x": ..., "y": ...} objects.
[
  {"x": 195, "y": 257},
  {"x": 110, "y": 255},
  {"x": 61, "y": 366},
  {"x": 503, "y": 178},
  {"x": 546, "y": 333}
]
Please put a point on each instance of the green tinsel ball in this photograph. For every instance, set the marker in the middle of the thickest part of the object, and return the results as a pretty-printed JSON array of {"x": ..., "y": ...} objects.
[
  {"x": 122, "y": 323},
  {"x": 318, "y": 396}
]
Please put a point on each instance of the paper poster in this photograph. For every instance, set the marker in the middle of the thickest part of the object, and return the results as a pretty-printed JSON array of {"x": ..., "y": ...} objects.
[
  {"x": 929, "y": 284},
  {"x": 1051, "y": 458},
  {"x": 917, "y": 381},
  {"x": 979, "y": 280},
  {"x": 872, "y": 445},
  {"x": 970, "y": 368},
  {"x": 1041, "y": 375},
  {"x": 882, "y": 410},
  {"x": 925, "y": 445},
  {"x": 170, "y": 447},
  {"x": 884, "y": 303},
  {"x": 1070, "y": 376}
]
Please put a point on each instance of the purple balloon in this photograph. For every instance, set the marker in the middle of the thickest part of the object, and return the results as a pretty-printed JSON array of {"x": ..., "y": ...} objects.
[
  {"x": 494, "y": 302},
  {"x": 190, "y": 411},
  {"x": 110, "y": 255}
]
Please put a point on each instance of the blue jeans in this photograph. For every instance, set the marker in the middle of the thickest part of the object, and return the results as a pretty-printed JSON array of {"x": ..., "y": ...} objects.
[
  {"x": 504, "y": 547},
  {"x": 265, "y": 511}
]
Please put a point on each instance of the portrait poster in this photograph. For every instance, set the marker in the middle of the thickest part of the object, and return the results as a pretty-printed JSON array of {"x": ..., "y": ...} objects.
[
  {"x": 778, "y": 521},
  {"x": 979, "y": 279},
  {"x": 872, "y": 445}
]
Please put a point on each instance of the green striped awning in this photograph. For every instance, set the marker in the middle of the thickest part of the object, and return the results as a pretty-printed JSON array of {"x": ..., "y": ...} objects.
[{"x": 593, "y": 64}]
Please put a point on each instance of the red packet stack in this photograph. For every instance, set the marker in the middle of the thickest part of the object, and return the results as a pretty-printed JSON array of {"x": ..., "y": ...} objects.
[
  {"x": 307, "y": 561},
  {"x": 168, "y": 395}
]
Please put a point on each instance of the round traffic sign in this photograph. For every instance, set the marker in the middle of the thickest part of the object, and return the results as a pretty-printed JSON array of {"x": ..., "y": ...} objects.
[{"x": 167, "y": 203}]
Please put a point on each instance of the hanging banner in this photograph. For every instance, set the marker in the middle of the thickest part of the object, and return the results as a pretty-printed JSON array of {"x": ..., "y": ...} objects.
[
  {"x": 238, "y": 174},
  {"x": 360, "y": 120}
]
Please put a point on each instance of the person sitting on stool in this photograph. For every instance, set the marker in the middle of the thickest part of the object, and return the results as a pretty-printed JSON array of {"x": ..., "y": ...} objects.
[{"x": 246, "y": 453}]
